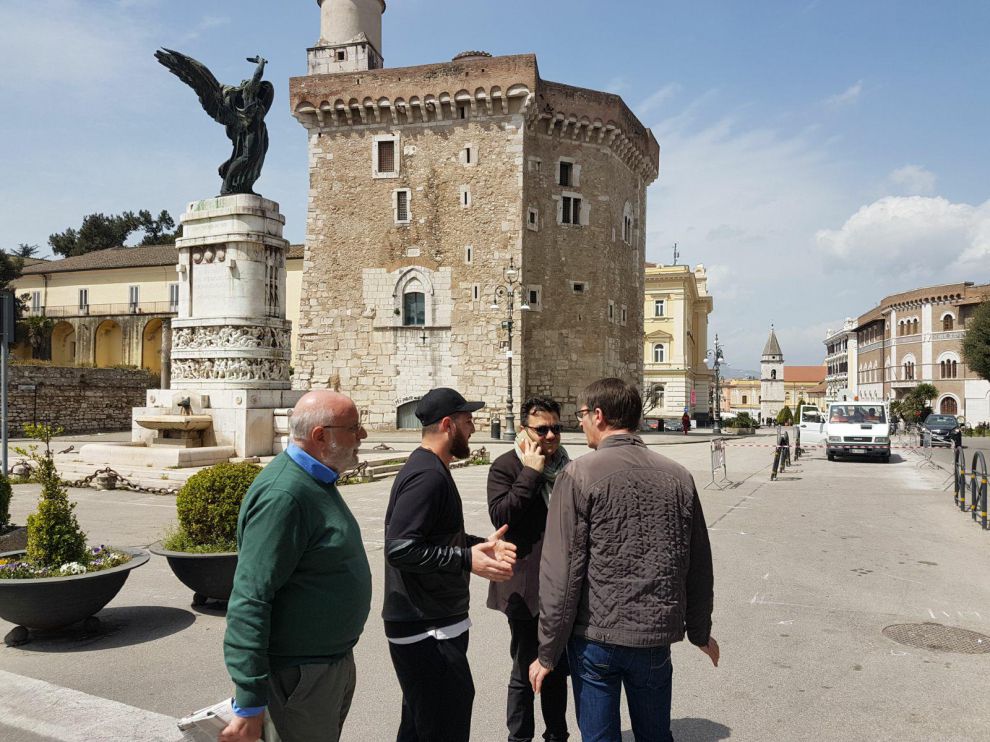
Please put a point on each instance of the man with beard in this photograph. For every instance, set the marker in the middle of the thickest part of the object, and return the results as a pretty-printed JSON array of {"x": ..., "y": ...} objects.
[
  {"x": 429, "y": 561},
  {"x": 302, "y": 590},
  {"x": 519, "y": 486}
]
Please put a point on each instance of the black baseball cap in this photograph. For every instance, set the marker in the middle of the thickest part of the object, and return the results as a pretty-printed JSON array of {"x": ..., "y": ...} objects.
[{"x": 441, "y": 403}]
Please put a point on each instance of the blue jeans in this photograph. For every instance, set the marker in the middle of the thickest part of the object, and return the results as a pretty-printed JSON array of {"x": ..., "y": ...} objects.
[{"x": 598, "y": 674}]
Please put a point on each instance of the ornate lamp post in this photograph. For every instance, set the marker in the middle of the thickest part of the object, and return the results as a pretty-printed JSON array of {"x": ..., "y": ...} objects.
[
  {"x": 506, "y": 293},
  {"x": 714, "y": 360}
]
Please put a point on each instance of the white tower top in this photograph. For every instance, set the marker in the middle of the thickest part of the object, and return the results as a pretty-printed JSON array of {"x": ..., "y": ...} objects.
[{"x": 350, "y": 36}]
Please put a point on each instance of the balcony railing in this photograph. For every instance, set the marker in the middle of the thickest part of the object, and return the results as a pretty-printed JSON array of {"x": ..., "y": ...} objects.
[{"x": 103, "y": 310}]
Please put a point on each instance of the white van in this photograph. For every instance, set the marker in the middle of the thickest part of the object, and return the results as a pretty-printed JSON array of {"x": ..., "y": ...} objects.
[{"x": 848, "y": 429}]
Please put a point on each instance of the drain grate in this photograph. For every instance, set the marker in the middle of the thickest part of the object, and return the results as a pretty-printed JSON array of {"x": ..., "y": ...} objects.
[{"x": 938, "y": 638}]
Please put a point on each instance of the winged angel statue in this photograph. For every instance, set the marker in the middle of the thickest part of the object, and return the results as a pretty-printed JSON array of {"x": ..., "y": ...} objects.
[{"x": 241, "y": 108}]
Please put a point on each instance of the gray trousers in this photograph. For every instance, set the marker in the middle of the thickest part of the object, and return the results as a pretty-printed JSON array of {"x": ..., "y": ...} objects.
[{"x": 310, "y": 703}]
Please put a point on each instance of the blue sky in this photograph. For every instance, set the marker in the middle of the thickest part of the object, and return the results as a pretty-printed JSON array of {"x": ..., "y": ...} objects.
[{"x": 816, "y": 155}]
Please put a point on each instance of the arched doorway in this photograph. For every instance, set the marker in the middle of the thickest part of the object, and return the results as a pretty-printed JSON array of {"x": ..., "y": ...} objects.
[
  {"x": 406, "y": 416},
  {"x": 64, "y": 344},
  {"x": 151, "y": 346},
  {"x": 109, "y": 344},
  {"x": 948, "y": 406}
]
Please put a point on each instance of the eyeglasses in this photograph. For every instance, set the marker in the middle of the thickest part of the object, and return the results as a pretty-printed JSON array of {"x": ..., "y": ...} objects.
[
  {"x": 581, "y": 413},
  {"x": 353, "y": 429},
  {"x": 543, "y": 430}
]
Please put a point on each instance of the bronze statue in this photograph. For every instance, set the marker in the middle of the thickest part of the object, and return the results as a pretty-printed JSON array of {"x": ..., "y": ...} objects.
[{"x": 242, "y": 109}]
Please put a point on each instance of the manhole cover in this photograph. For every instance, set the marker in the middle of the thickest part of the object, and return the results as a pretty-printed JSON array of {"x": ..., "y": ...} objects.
[{"x": 938, "y": 638}]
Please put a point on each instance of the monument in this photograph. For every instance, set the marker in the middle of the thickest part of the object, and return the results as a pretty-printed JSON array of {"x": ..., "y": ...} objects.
[{"x": 230, "y": 351}]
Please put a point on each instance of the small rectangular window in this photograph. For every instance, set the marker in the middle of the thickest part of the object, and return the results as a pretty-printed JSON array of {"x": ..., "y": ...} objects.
[
  {"x": 133, "y": 296},
  {"x": 465, "y": 197},
  {"x": 476, "y": 292},
  {"x": 35, "y": 301},
  {"x": 462, "y": 112},
  {"x": 173, "y": 296},
  {"x": 534, "y": 297},
  {"x": 659, "y": 308},
  {"x": 533, "y": 220},
  {"x": 571, "y": 211},
  {"x": 84, "y": 299},
  {"x": 566, "y": 174},
  {"x": 535, "y": 164},
  {"x": 469, "y": 254},
  {"x": 578, "y": 287},
  {"x": 611, "y": 311},
  {"x": 341, "y": 55},
  {"x": 386, "y": 157},
  {"x": 402, "y": 215},
  {"x": 625, "y": 315}
]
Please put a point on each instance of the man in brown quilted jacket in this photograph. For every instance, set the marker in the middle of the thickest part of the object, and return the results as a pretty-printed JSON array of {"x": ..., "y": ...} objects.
[{"x": 626, "y": 571}]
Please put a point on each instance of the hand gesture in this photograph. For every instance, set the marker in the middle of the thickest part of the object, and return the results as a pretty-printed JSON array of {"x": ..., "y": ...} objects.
[
  {"x": 532, "y": 455},
  {"x": 504, "y": 551},
  {"x": 711, "y": 649},
  {"x": 493, "y": 559},
  {"x": 243, "y": 729}
]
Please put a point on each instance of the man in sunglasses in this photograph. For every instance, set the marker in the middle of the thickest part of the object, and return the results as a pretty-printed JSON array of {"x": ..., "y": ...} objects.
[{"x": 519, "y": 486}]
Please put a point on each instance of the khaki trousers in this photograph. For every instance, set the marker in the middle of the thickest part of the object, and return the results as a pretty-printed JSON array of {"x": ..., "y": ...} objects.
[{"x": 309, "y": 703}]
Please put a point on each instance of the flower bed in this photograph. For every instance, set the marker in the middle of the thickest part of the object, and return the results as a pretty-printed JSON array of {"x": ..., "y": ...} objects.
[{"x": 96, "y": 559}]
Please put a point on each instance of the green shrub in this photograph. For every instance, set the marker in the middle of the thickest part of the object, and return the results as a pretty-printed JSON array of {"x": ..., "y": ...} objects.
[
  {"x": 5, "y": 494},
  {"x": 53, "y": 533},
  {"x": 209, "y": 503},
  {"x": 785, "y": 416},
  {"x": 742, "y": 420}
]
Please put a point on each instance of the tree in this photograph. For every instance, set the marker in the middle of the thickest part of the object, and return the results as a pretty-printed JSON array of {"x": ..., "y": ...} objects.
[
  {"x": 100, "y": 232},
  {"x": 915, "y": 406},
  {"x": 37, "y": 331},
  {"x": 785, "y": 416},
  {"x": 10, "y": 270},
  {"x": 25, "y": 250},
  {"x": 976, "y": 343}
]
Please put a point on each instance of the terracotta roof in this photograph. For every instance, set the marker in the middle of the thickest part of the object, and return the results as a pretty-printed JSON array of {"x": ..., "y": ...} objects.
[
  {"x": 804, "y": 373},
  {"x": 121, "y": 257}
]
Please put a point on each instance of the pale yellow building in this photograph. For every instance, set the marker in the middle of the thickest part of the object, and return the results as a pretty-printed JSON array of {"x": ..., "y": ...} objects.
[
  {"x": 800, "y": 384},
  {"x": 111, "y": 307},
  {"x": 675, "y": 341}
]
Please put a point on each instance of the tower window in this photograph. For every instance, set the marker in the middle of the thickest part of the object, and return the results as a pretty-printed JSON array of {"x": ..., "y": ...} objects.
[
  {"x": 469, "y": 254},
  {"x": 385, "y": 157},
  {"x": 579, "y": 287},
  {"x": 465, "y": 196},
  {"x": 402, "y": 212},
  {"x": 341, "y": 55},
  {"x": 566, "y": 174},
  {"x": 462, "y": 112},
  {"x": 414, "y": 309},
  {"x": 571, "y": 210},
  {"x": 533, "y": 220}
]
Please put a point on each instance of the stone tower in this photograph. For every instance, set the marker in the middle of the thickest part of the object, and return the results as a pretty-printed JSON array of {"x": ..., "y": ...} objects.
[
  {"x": 350, "y": 37},
  {"x": 771, "y": 378},
  {"x": 431, "y": 189}
]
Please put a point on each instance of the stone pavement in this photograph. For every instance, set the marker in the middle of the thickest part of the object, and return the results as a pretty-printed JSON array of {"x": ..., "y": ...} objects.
[{"x": 809, "y": 571}]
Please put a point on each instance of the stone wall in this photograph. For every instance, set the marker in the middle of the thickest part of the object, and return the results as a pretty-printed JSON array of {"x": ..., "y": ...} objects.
[{"x": 81, "y": 400}]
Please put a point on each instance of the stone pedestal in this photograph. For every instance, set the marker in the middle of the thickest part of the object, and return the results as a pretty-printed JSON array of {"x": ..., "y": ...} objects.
[{"x": 230, "y": 342}]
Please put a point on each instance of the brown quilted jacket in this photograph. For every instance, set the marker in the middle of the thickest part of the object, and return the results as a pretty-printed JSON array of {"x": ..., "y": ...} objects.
[{"x": 626, "y": 557}]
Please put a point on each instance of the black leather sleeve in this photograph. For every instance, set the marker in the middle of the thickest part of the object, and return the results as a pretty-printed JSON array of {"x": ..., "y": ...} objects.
[{"x": 423, "y": 558}]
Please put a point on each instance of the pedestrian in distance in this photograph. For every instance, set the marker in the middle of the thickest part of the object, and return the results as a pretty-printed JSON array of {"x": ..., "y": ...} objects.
[
  {"x": 626, "y": 571},
  {"x": 429, "y": 560},
  {"x": 685, "y": 422},
  {"x": 302, "y": 590},
  {"x": 519, "y": 488}
]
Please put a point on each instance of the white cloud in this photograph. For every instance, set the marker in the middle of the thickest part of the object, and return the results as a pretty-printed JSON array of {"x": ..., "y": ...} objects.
[
  {"x": 657, "y": 99},
  {"x": 847, "y": 97},
  {"x": 907, "y": 241},
  {"x": 207, "y": 23},
  {"x": 912, "y": 180}
]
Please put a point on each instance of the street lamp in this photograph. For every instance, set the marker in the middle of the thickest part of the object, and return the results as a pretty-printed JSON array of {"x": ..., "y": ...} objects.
[
  {"x": 714, "y": 360},
  {"x": 507, "y": 293}
]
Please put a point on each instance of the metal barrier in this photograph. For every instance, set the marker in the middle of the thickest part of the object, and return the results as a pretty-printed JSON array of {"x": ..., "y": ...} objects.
[
  {"x": 797, "y": 443},
  {"x": 978, "y": 489},
  {"x": 781, "y": 454},
  {"x": 718, "y": 464},
  {"x": 926, "y": 450},
  {"x": 959, "y": 474}
]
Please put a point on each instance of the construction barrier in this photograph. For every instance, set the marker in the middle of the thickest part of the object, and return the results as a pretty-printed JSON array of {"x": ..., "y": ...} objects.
[
  {"x": 959, "y": 470},
  {"x": 718, "y": 465},
  {"x": 781, "y": 454}
]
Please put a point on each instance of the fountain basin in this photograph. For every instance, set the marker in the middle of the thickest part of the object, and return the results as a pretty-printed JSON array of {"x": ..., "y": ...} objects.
[{"x": 182, "y": 423}]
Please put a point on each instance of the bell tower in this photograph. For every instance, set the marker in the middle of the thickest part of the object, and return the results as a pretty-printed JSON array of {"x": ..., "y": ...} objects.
[
  {"x": 771, "y": 378},
  {"x": 350, "y": 37}
]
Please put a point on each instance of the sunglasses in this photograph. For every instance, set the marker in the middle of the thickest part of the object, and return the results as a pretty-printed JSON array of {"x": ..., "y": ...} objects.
[{"x": 543, "y": 430}]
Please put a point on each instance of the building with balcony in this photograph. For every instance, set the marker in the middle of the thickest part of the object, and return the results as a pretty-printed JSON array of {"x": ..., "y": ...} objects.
[
  {"x": 840, "y": 354},
  {"x": 675, "y": 340},
  {"x": 911, "y": 338},
  {"x": 113, "y": 307}
]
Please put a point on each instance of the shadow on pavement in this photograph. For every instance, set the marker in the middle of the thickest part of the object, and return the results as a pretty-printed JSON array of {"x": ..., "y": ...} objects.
[
  {"x": 120, "y": 627},
  {"x": 692, "y": 730}
]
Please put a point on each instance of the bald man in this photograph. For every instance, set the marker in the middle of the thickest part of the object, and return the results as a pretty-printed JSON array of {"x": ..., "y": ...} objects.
[{"x": 302, "y": 591}]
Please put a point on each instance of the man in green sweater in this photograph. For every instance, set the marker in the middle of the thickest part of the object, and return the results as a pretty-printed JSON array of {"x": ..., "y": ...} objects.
[{"x": 302, "y": 590}]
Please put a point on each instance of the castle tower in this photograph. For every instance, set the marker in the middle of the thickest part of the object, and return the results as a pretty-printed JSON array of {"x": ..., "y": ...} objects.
[
  {"x": 350, "y": 37},
  {"x": 433, "y": 188},
  {"x": 771, "y": 378}
]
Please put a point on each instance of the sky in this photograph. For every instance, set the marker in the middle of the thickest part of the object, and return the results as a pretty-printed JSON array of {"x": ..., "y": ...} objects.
[{"x": 816, "y": 155}]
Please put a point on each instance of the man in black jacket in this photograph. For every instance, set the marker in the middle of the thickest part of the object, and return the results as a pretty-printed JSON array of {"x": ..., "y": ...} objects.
[
  {"x": 519, "y": 486},
  {"x": 429, "y": 561}
]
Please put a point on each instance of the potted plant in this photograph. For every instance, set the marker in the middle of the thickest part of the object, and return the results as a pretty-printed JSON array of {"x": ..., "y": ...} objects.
[
  {"x": 202, "y": 549},
  {"x": 741, "y": 424},
  {"x": 58, "y": 581}
]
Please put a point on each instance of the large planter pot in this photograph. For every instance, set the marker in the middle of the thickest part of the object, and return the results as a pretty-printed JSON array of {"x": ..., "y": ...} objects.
[
  {"x": 738, "y": 431},
  {"x": 207, "y": 575},
  {"x": 56, "y": 602}
]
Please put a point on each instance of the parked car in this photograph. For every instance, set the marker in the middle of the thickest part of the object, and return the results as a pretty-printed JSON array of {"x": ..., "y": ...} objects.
[{"x": 944, "y": 429}]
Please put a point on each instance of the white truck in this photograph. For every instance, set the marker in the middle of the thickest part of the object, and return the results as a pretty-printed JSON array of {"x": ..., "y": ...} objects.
[{"x": 849, "y": 428}]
